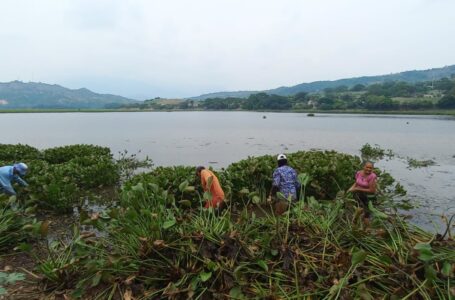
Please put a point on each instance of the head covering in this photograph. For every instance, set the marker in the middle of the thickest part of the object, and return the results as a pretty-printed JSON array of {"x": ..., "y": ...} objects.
[
  {"x": 281, "y": 157},
  {"x": 21, "y": 168},
  {"x": 199, "y": 169}
]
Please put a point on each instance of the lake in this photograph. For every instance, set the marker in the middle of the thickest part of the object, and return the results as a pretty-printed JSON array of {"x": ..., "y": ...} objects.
[{"x": 220, "y": 138}]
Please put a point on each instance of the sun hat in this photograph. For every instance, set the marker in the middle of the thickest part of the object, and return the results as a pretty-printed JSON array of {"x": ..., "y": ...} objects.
[
  {"x": 281, "y": 157},
  {"x": 21, "y": 168}
]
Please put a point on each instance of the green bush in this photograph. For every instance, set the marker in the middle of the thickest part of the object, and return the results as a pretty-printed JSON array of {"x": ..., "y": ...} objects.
[
  {"x": 64, "y": 154},
  {"x": 15, "y": 153},
  {"x": 93, "y": 171},
  {"x": 330, "y": 172},
  {"x": 170, "y": 179},
  {"x": 61, "y": 177}
]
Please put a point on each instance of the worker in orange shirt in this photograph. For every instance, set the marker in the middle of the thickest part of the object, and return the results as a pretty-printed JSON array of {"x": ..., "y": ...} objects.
[{"x": 210, "y": 183}]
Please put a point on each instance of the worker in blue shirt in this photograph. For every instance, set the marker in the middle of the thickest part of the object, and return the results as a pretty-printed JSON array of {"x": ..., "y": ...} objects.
[
  {"x": 8, "y": 174},
  {"x": 284, "y": 181}
]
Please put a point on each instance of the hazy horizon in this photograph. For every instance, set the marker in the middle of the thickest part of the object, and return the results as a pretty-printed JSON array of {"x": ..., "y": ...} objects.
[{"x": 143, "y": 49}]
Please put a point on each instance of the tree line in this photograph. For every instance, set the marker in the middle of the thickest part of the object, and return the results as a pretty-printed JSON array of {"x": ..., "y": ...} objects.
[{"x": 392, "y": 95}]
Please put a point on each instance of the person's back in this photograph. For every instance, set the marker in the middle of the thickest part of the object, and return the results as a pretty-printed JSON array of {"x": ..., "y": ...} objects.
[
  {"x": 285, "y": 179},
  {"x": 208, "y": 178},
  {"x": 9, "y": 174}
]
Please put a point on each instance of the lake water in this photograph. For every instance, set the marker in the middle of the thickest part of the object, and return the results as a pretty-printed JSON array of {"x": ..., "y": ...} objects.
[{"x": 220, "y": 138}]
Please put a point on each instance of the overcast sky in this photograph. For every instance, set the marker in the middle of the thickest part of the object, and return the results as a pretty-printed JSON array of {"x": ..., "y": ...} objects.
[{"x": 169, "y": 48}]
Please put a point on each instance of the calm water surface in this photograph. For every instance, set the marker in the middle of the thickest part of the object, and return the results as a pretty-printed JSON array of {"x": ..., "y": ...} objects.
[{"x": 220, "y": 138}]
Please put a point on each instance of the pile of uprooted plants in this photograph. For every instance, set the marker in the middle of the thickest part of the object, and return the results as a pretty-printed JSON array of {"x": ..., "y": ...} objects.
[{"x": 157, "y": 242}]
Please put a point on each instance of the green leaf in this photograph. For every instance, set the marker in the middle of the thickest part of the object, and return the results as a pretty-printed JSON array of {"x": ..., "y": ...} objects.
[
  {"x": 207, "y": 196},
  {"x": 236, "y": 293},
  {"x": 422, "y": 246},
  {"x": 183, "y": 185},
  {"x": 30, "y": 210},
  {"x": 358, "y": 257},
  {"x": 186, "y": 203},
  {"x": 96, "y": 279},
  {"x": 154, "y": 187},
  {"x": 375, "y": 212},
  {"x": 313, "y": 203},
  {"x": 169, "y": 223},
  {"x": 363, "y": 293},
  {"x": 446, "y": 269},
  {"x": 281, "y": 196},
  {"x": 205, "y": 276},
  {"x": 386, "y": 259},
  {"x": 138, "y": 187},
  {"x": 256, "y": 199},
  {"x": 304, "y": 179},
  {"x": 131, "y": 214},
  {"x": 430, "y": 273},
  {"x": 2, "y": 291},
  {"x": 211, "y": 265},
  {"x": 263, "y": 265},
  {"x": 77, "y": 293},
  {"x": 194, "y": 283},
  {"x": 190, "y": 188},
  {"x": 244, "y": 191},
  {"x": 24, "y": 247},
  {"x": 425, "y": 251},
  {"x": 11, "y": 278}
]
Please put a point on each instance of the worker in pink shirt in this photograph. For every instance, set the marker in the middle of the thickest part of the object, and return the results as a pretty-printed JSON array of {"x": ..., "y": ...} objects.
[{"x": 364, "y": 185}]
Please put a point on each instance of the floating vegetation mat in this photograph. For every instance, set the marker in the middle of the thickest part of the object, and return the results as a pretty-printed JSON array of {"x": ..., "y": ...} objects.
[{"x": 158, "y": 242}]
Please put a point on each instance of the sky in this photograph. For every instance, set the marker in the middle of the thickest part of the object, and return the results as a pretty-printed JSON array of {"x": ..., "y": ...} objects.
[{"x": 144, "y": 49}]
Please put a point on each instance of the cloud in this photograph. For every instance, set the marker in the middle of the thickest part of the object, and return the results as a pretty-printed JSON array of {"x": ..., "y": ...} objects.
[{"x": 184, "y": 48}]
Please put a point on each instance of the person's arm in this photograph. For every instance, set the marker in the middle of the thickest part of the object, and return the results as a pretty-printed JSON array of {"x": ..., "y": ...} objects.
[
  {"x": 275, "y": 185},
  {"x": 371, "y": 188},
  {"x": 203, "y": 183},
  {"x": 8, "y": 189},
  {"x": 20, "y": 181},
  {"x": 352, "y": 188}
]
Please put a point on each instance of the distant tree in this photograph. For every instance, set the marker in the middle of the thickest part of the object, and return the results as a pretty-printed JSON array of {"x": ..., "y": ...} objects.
[
  {"x": 448, "y": 101},
  {"x": 417, "y": 104},
  {"x": 358, "y": 88},
  {"x": 340, "y": 89},
  {"x": 184, "y": 105},
  {"x": 264, "y": 101},
  {"x": 380, "y": 103},
  {"x": 444, "y": 84},
  {"x": 326, "y": 103},
  {"x": 301, "y": 97}
]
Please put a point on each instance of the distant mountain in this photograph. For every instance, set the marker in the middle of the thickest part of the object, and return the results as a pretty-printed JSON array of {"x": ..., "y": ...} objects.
[
  {"x": 21, "y": 95},
  {"x": 408, "y": 76}
]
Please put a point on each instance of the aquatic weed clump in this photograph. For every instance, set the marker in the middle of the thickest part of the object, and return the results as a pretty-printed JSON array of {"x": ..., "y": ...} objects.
[
  {"x": 318, "y": 249},
  {"x": 155, "y": 247},
  {"x": 61, "y": 177}
]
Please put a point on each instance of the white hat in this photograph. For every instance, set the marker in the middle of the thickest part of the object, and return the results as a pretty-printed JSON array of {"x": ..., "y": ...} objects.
[
  {"x": 21, "y": 168},
  {"x": 281, "y": 156}
]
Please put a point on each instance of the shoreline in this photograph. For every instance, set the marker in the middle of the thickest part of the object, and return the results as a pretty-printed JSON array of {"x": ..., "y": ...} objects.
[{"x": 360, "y": 112}]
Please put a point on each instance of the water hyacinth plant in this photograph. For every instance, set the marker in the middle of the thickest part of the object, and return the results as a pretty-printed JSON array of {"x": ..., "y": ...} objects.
[{"x": 157, "y": 242}]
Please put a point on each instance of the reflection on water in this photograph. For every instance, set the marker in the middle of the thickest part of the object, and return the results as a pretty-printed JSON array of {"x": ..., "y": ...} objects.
[{"x": 220, "y": 138}]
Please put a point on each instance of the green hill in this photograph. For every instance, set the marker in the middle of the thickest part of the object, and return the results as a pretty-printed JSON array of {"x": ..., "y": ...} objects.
[
  {"x": 36, "y": 95},
  {"x": 316, "y": 86}
]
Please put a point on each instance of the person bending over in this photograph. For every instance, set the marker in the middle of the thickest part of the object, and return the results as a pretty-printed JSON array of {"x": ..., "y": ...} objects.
[
  {"x": 284, "y": 181},
  {"x": 210, "y": 183},
  {"x": 9, "y": 174}
]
